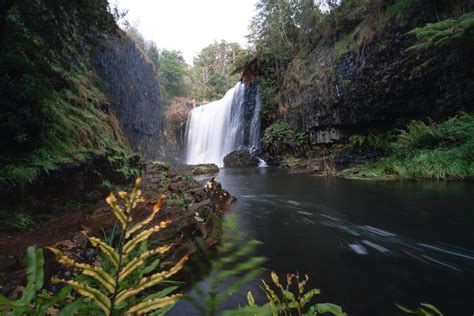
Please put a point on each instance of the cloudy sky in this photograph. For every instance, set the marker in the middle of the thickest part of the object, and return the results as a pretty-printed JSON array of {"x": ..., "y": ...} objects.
[{"x": 190, "y": 25}]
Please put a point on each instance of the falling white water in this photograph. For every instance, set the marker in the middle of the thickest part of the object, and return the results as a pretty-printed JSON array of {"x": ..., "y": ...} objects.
[
  {"x": 214, "y": 129},
  {"x": 254, "y": 137}
]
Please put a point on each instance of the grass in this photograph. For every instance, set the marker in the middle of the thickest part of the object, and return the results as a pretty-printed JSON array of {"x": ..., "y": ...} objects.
[
  {"x": 440, "y": 151},
  {"x": 17, "y": 219}
]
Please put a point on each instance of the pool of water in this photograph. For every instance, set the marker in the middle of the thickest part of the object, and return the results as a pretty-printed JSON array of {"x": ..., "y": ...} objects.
[{"x": 366, "y": 244}]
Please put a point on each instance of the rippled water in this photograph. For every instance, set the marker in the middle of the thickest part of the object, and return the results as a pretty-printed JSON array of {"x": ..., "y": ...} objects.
[{"x": 366, "y": 245}]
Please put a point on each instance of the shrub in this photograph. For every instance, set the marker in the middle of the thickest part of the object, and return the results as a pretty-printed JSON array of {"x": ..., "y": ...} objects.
[{"x": 281, "y": 138}]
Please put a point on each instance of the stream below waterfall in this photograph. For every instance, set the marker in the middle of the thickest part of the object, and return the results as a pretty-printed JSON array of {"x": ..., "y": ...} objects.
[{"x": 365, "y": 244}]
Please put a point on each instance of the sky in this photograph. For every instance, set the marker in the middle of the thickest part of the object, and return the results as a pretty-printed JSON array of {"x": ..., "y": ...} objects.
[{"x": 190, "y": 25}]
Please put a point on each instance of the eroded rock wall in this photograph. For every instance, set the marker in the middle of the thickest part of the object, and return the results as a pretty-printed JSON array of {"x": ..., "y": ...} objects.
[
  {"x": 347, "y": 86},
  {"x": 134, "y": 92}
]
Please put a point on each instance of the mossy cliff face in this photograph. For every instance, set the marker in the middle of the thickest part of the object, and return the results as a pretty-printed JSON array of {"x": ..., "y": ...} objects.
[
  {"x": 134, "y": 92},
  {"x": 362, "y": 77},
  {"x": 56, "y": 109}
]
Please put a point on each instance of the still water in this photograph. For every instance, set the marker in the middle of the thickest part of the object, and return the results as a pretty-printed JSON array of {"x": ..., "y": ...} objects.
[{"x": 365, "y": 244}]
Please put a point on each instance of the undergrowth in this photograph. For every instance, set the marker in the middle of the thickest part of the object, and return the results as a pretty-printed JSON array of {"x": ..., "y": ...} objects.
[
  {"x": 280, "y": 138},
  {"x": 52, "y": 109},
  {"x": 435, "y": 151}
]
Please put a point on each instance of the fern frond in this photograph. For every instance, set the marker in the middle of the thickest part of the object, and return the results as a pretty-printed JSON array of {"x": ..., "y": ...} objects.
[
  {"x": 107, "y": 250},
  {"x": 144, "y": 235},
  {"x": 95, "y": 272},
  {"x": 302, "y": 284},
  {"x": 308, "y": 296},
  {"x": 250, "y": 299},
  {"x": 140, "y": 260},
  {"x": 272, "y": 297},
  {"x": 151, "y": 305},
  {"x": 147, "y": 220},
  {"x": 150, "y": 281},
  {"x": 94, "y": 294},
  {"x": 118, "y": 212}
]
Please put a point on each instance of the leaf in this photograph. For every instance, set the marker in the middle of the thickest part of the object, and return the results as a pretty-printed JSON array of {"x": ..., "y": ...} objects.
[
  {"x": 249, "y": 311},
  {"x": 97, "y": 296},
  {"x": 433, "y": 308},
  {"x": 35, "y": 267},
  {"x": 144, "y": 235},
  {"x": 108, "y": 251},
  {"x": 140, "y": 260},
  {"x": 138, "y": 226},
  {"x": 250, "y": 299},
  {"x": 406, "y": 310},
  {"x": 72, "y": 307},
  {"x": 150, "y": 281},
  {"x": 17, "y": 305},
  {"x": 327, "y": 308},
  {"x": 95, "y": 272},
  {"x": 119, "y": 213},
  {"x": 308, "y": 296},
  {"x": 151, "y": 305},
  {"x": 162, "y": 293}
]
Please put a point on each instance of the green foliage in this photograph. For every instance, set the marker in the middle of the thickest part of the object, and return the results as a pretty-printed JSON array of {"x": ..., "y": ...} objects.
[
  {"x": 285, "y": 300},
  {"x": 125, "y": 163},
  {"x": 423, "y": 310},
  {"x": 399, "y": 6},
  {"x": 17, "y": 219},
  {"x": 233, "y": 267},
  {"x": 371, "y": 142},
  {"x": 281, "y": 138},
  {"x": 118, "y": 284},
  {"x": 172, "y": 72},
  {"x": 453, "y": 32},
  {"x": 436, "y": 151},
  {"x": 52, "y": 112},
  {"x": 177, "y": 200},
  {"x": 212, "y": 74},
  {"x": 35, "y": 300}
]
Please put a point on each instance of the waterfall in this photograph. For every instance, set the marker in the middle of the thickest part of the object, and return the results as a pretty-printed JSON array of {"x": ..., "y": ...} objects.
[
  {"x": 218, "y": 128},
  {"x": 214, "y": 129},
  {"x": 254, "y": 137}
]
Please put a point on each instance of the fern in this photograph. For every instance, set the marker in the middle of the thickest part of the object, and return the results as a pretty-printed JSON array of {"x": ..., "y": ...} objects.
[
  {"x": 283, "y": 301},
  {"x": 444, "y": 33},
  {"x": 35, "y": 300},
  {"x": 424, "y": 310},
  {"x": 118, "y": 284},
  {"x": 233, "y": 268}
]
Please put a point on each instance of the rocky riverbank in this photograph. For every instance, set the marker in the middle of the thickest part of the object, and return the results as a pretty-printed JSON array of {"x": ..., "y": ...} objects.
[{"x": 193, "y": 207}]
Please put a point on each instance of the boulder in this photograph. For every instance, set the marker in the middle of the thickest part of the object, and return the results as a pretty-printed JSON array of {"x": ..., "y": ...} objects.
[
  {"x": 240, "y": 158},
  {"x": 209, "y": 168}
]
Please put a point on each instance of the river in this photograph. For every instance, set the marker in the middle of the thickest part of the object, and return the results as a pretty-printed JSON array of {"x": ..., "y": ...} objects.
[{"x": 365, "y": 244}]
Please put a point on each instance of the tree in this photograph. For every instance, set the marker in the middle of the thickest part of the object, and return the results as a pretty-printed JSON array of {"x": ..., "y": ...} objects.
[{"x": 213, "y": 67}]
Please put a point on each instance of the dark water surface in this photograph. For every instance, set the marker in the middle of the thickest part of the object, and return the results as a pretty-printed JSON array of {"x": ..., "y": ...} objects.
[{"x": 365, "y": 244}]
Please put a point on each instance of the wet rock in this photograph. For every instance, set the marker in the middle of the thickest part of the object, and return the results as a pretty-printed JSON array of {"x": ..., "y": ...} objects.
[
  {"x": 209, "y": 168},
  {"x": 240, "y": 158}
]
